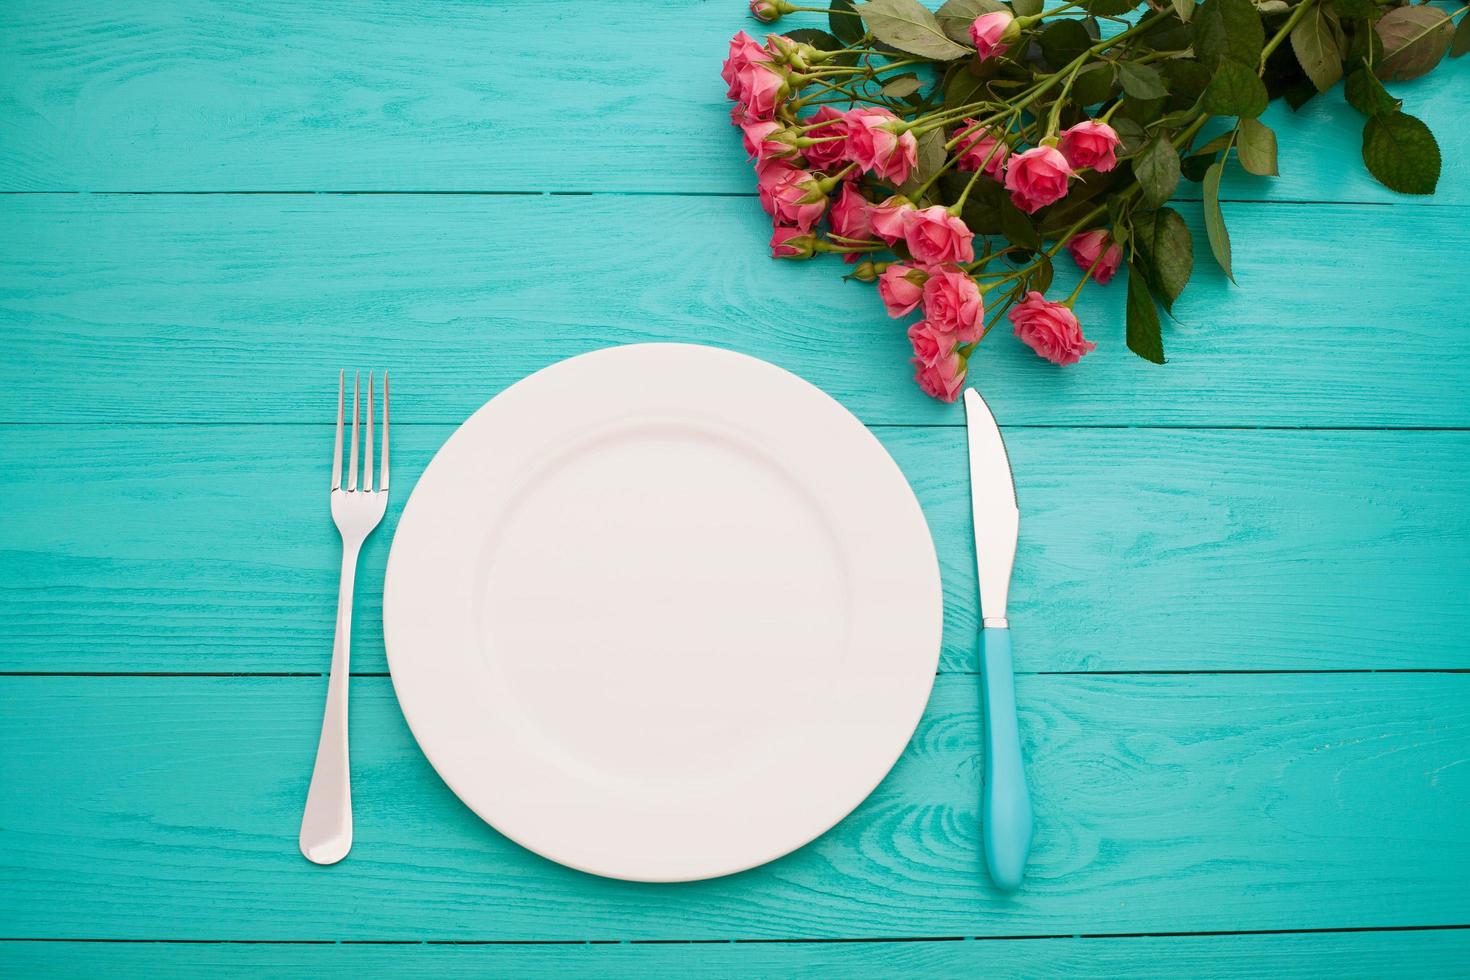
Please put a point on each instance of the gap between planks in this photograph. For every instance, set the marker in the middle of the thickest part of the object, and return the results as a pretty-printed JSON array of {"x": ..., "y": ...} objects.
[{"x": 1222, "y": 933}]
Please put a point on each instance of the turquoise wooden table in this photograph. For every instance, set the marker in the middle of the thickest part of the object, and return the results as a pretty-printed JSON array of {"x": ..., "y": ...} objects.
[{"x": 1240, "y": 601}]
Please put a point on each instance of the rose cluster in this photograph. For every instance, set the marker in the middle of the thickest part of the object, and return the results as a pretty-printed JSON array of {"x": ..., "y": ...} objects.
[
  {"x": 843, "y": 180},
  {"x": 950, "y": 156}
]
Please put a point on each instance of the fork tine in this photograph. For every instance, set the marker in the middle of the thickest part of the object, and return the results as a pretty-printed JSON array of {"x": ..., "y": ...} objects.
[
  {"x": 383, "y": 481},
  {"x": 367, "y": 442},
  {"x": 352, "y": 453},
  {"x": 337, "y": 449}
]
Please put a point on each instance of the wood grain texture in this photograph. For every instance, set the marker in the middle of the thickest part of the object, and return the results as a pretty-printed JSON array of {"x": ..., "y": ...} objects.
[
  {"x": 208, "y": 548},
  {"x": 242, "y": 309},
  {"x": 1163, "y": 804},
  {"x": 1418, "y": 955},
  {"x": 531, "y": 95}
]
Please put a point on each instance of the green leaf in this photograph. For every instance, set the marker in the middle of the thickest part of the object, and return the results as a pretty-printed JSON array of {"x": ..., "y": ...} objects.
[
  {"x": 1257, "y": 146},
  {"x": 1145, "y": 338},
  {"x": 1315, "y": 39},
  {"x": 1157, "y": 170},
  {"x": 1186, "y": 80},
  {"x": 956, "y": 16},
  {"x": 930, "y": 159},
  {"x": 1093, "y": 84},
  {"x": 1228, "y": 28},
  {"x": 964, "y": 85},
  {"x": 900, "y": 85},
  {"x": 1366, "y": 94},
  {"x": 909, "y": 26},
  {"x": 1040, "y": 279},
  {"x": 844, "y": 23},
  {"x": 1401, "y": 153},
  {"x": 1194, "y": 167},
  {"x": 1063, "y": 40},
  {"x": 1357, "y": 9},
  {"x": 1184, "y": 9},
  {"x": 1414, "y": 41},
  {"x": 1141, "y": 81},
  {"x": 1016, "y": 226},
  {"x": 1027, "y": 8},
  {"x": 820, "y": 40},
  {"x": 1235, "y": 91},
  {"x": 1461, "y": 43},
  {"x": 1172, "y": 251},
  {"x": 1215, "y": 221}
]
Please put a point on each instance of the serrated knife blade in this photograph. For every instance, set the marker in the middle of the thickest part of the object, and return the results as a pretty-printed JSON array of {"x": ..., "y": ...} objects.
[{"x": 1006, "y": 802}]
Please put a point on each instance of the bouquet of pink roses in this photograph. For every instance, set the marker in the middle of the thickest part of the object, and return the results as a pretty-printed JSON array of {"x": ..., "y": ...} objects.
[{"x": 954, "y": 155}]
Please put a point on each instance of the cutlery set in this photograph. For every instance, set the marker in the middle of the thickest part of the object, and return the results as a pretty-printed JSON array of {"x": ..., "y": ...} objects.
[{"x": 749, "y": 743}]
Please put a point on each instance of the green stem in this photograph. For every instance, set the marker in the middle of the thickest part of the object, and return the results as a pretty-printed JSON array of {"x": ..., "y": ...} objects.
[{"x": 1284, "y": 32}]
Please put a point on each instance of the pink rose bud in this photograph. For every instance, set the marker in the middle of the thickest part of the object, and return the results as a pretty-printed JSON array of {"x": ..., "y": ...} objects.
[
  {"x": 849, "y": 215},
  {"x": 1095, "y": 250},
  {"x": 1050, "y": 329},
  {"x": 1091, "y": 144},
  {"x": 953, "y": 304},
  {"x": 992, "y": 32},
  {"x": 979, "y": 149},
  {"x": 761, "y": 87},
  {"x": 758, "y": 142},
  {"x": 901, "y": 287},
  {"x": 791, "y": 197},
  {"x": 933, "y": 236},
  {"x": 1037, "y": 178},
  {"x": 792, "y": 243},
  {"x": 770, "y": 10},
  {"x": 826, "y": 155},
  {"x": 886, "y": 219},
  {"x": 943, "y": 378},
  {"x": 878, "y": 142},
  {"x": 930, "y": 343},
  {"x": 743, "y": 51}
]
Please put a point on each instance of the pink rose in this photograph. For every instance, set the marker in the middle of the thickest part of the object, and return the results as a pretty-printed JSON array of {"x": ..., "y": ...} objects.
[
  {"x": 791, "y": 197},
  {"x": 943, "y": 378},
  {"x": 980, "y": 149},
  {"x": 792, "y": 243},
  {"x": 901, "y": 287},
  {"x": 933, "y": 235},
  {"x": 952, "y": 303},
  {"x": 753, "y": 135},
  {"x": 1050, "y": 329},
  {"x": 1091, "y": 144},
  {"x": 826, "y": 156},
  {"x": 849, "y": 215},
  {"x": 876, "y": 142},
  {"x": 931, "y": 344},
  {"x": 1037, "y": 178},
  {"x": 887, "y": 218},
  {"x": 987, "y": 30},
  {"x": 1096, "y": 246},
  {"x": 743, "y": 52},
  {"x": 761, "y": 86}
]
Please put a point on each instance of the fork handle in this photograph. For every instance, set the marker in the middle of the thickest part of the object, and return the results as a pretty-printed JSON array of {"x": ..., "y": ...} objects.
[{"x": 326, "y": 826}]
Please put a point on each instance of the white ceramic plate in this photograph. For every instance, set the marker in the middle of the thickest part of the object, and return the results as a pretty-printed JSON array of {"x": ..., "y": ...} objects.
[{"x": 662, "y": 612}]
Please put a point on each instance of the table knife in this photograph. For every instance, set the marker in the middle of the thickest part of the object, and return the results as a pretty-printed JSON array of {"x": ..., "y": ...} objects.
[{"x": 1005, "y": 803}]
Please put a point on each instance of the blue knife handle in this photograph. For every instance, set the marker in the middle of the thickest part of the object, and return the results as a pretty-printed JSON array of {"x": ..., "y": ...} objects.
[{"x": 1007, "y": 803}]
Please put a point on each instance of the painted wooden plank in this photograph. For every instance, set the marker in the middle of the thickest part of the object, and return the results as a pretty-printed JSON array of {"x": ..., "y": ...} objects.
[
  {"x": 242, "y": 309},
  {"x": 530, "y": 95},
  {"x": 208, "y": 548},
  {"x": 167, "y": 808},
  {"x": 1419, "y": 955}
]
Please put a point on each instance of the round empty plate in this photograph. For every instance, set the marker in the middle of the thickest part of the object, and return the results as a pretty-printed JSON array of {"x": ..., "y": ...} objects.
[{"x": 662, "y": 612}]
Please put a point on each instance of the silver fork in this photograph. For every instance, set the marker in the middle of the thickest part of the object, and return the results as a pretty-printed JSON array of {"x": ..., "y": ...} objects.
[{"x": 326, "y": 826}]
